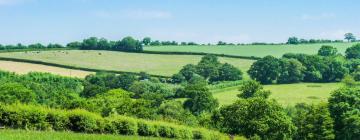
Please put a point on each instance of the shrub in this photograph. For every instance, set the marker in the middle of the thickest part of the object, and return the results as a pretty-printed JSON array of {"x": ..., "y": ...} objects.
[
  {"x": 58, "y": 120},
  {"x": 84, "y": 121},
  {"x": 147, "y": 129},
  {"x": 123, "y": 125}
]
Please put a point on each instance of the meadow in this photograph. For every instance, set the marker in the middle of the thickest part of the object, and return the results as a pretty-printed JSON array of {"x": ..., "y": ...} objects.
[
  {"x": 251, "y": 50},
  {"x": 285, "y": 94},
  {"x": 165, "y": 65},
  {"x": 9, "y": 134}
]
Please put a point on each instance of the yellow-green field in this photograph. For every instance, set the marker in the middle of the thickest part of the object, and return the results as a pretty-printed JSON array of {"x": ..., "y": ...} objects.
[
  {"x": 9, "y": 134},
  {"x": 286, "y": 94},
  {"x": 132, "y": 62},
  {"x": 23, "y": 68},
  {"x": 252, "y": 50}
]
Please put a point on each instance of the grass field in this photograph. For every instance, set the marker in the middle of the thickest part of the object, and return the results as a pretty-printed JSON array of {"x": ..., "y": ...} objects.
[
  {"x": 8, "y": 134},
  {"x": 286, "y": 94},
  {"x": 252, "y": 50},
  {"x": 23, "y": 68},
  {"x": 132, "y": 62}
]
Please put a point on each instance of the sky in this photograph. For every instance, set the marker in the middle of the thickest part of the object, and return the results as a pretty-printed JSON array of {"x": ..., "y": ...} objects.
[{"x": 202, "y": 21}]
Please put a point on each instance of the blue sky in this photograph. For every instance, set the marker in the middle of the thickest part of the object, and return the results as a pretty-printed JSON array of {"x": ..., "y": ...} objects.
[{"x": 239, "y": 21}]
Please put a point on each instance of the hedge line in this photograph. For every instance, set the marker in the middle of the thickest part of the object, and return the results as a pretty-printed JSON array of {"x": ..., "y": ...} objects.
[
  {"x": 74, "y": 67},
  {"x": 32, "y": 117},
  {"x": 35, "y": 49},
  {"x": 200, "y": 53}
]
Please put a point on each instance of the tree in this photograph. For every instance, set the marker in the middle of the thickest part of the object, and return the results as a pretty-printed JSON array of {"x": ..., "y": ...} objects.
[
  {"x": 188, "y": 71},
  {"x": 256, "y": 116},
  {"x": 129, "y": 44},
  {"x": 350, "y": 37},
  {"x": 177, "y": 78},
  {"x": 15, "y": 92},
  {"x": 227, "y": 72},
  {"x": 326, "y": 50},
  {"x": 334, "y": 70},
  {"x": 313, "y": 122},
  {"x": 265, "y": 70},
  {"x": 146, "y": 41},
  {"x": 90, "y": 44},
  {"x": 208, "y": 66},
  {"x": 353, "y": 52},
  {"x": 173, "y": 111},
  {"x": 293, "y": 40},
  {"x": 200, "y": 98},
  {"x": 250, "y": 89},
  {"x": 343, "y": 104},
  {"x": 291, "y": 71}
]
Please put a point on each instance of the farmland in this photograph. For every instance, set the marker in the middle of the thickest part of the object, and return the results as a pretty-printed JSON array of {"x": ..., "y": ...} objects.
[
  {"x": 251, "y": 50},
  {"x": 286, "y": 94},
  {"x": 23, "y": 68},
  {"x": 120, "y": 61}
]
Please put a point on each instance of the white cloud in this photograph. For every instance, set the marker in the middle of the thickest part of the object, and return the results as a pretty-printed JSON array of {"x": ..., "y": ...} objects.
[
  {"x": 134, "y": 14},
  {"x": 322, "y": 16}
]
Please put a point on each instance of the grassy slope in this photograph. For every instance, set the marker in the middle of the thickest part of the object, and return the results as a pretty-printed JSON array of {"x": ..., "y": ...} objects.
[
  {"x": 252, "y": 50},
  {"x": 286, "y": 94},
  {"x": 133, "y": 62},
  {"x": 23, "y": 68},
  {"x": 8, "y": 134}
]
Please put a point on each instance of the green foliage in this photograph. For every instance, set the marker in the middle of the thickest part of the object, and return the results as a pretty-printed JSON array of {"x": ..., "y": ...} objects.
[
  {"x": 313, "y": 122},
  {"x": 293, "y": 40},
  {"x": 227, "y": 72},
  {"x": 15, "y": 92},
  {"x": 42, "y": 88},
  {"x": 265, "y": 70},
  {"x": 251, "y": 89},
  {"x": 353, "y": 52},
  {"x": 200, "y": 98},
  {"x": 39, "y": 118},
  {"x": 256, "y": 116},
  {"x": 291, "y": 71},
  {"x": 343, "y": 105},
  {"x": 350, "y": 37},
  {"x": 327, "y": 50},
  {"x": 127, "y": 44},
  {"x": 174, "y": 111}
]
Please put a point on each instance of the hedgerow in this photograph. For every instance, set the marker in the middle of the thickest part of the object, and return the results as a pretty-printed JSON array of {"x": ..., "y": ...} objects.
[{"x": 32, "y": 117}]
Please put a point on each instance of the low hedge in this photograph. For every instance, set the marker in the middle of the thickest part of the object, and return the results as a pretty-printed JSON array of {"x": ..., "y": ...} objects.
[{"x": 31, "y": 117}]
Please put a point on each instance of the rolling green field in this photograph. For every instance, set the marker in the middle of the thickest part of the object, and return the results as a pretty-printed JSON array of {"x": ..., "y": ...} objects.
[
  {"x": 286, "y": 94},
  {"x": 132, "y": 62},
  {"x": 9, "y": 134},
  {"x": 252, "y": 50}
]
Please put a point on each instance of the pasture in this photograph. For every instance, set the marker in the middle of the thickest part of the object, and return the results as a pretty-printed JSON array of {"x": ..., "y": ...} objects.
[
  {"x": 24, "y": 68},
  {"x": 251, "y": 50},
  {"x": 165, "y": 65},
  {"x": 286, "y": 94},
  {"x": 9, "y": 134}
]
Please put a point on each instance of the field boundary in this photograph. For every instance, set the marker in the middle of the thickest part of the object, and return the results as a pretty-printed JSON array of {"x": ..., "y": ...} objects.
[
  {"x": 199, "y": 53},
  {"x": 74, "y": 67}
]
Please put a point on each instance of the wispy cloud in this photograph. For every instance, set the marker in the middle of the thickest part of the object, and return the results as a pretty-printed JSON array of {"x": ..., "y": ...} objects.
[
  {"x": 322, "y": 16},
  {"x": 135, "y": 14}
]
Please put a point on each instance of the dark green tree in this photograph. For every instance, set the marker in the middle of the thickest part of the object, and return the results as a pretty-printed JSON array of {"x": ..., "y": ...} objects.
[
  {"x": 265, "y": 70},
  {"x": 146, "y": 41},
  {"x": 313, "y": 122},
  {"x": 293, "y": 40},
  {"x": 227, "y": 72},
  {"x": 353, "y": 52},
  {"x": 250, "y": 89},
  {"x": 350, "y": 37},
  {"x": 208, "y": 66},
  {"x": 256, "y": 116},
  {"x": 291, "y": 71},
  {"x": 327, "y": 50}
]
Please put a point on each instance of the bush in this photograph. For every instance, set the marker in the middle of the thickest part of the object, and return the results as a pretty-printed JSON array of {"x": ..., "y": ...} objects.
[
  {"x": 147, "y": 129},
  {"x": 84, "y": 121},
  {"x": 58, "y": 120},
  {"x": 123, "y": 125}
]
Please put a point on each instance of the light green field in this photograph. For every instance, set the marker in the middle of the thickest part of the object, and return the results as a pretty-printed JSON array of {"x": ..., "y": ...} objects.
[
  {"x": 286, "y": 94},
  {"x": 252, "y": 50},
  {"x": 8, "y": 134},
  {"x": 132, "y": 62}
]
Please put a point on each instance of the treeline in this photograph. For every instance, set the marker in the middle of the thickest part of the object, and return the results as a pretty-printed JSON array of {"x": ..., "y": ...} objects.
[
  {"x": 326, "y": 66},
  {"x": 295, "y": 40},
  {"x": 31, "y": 46}
]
